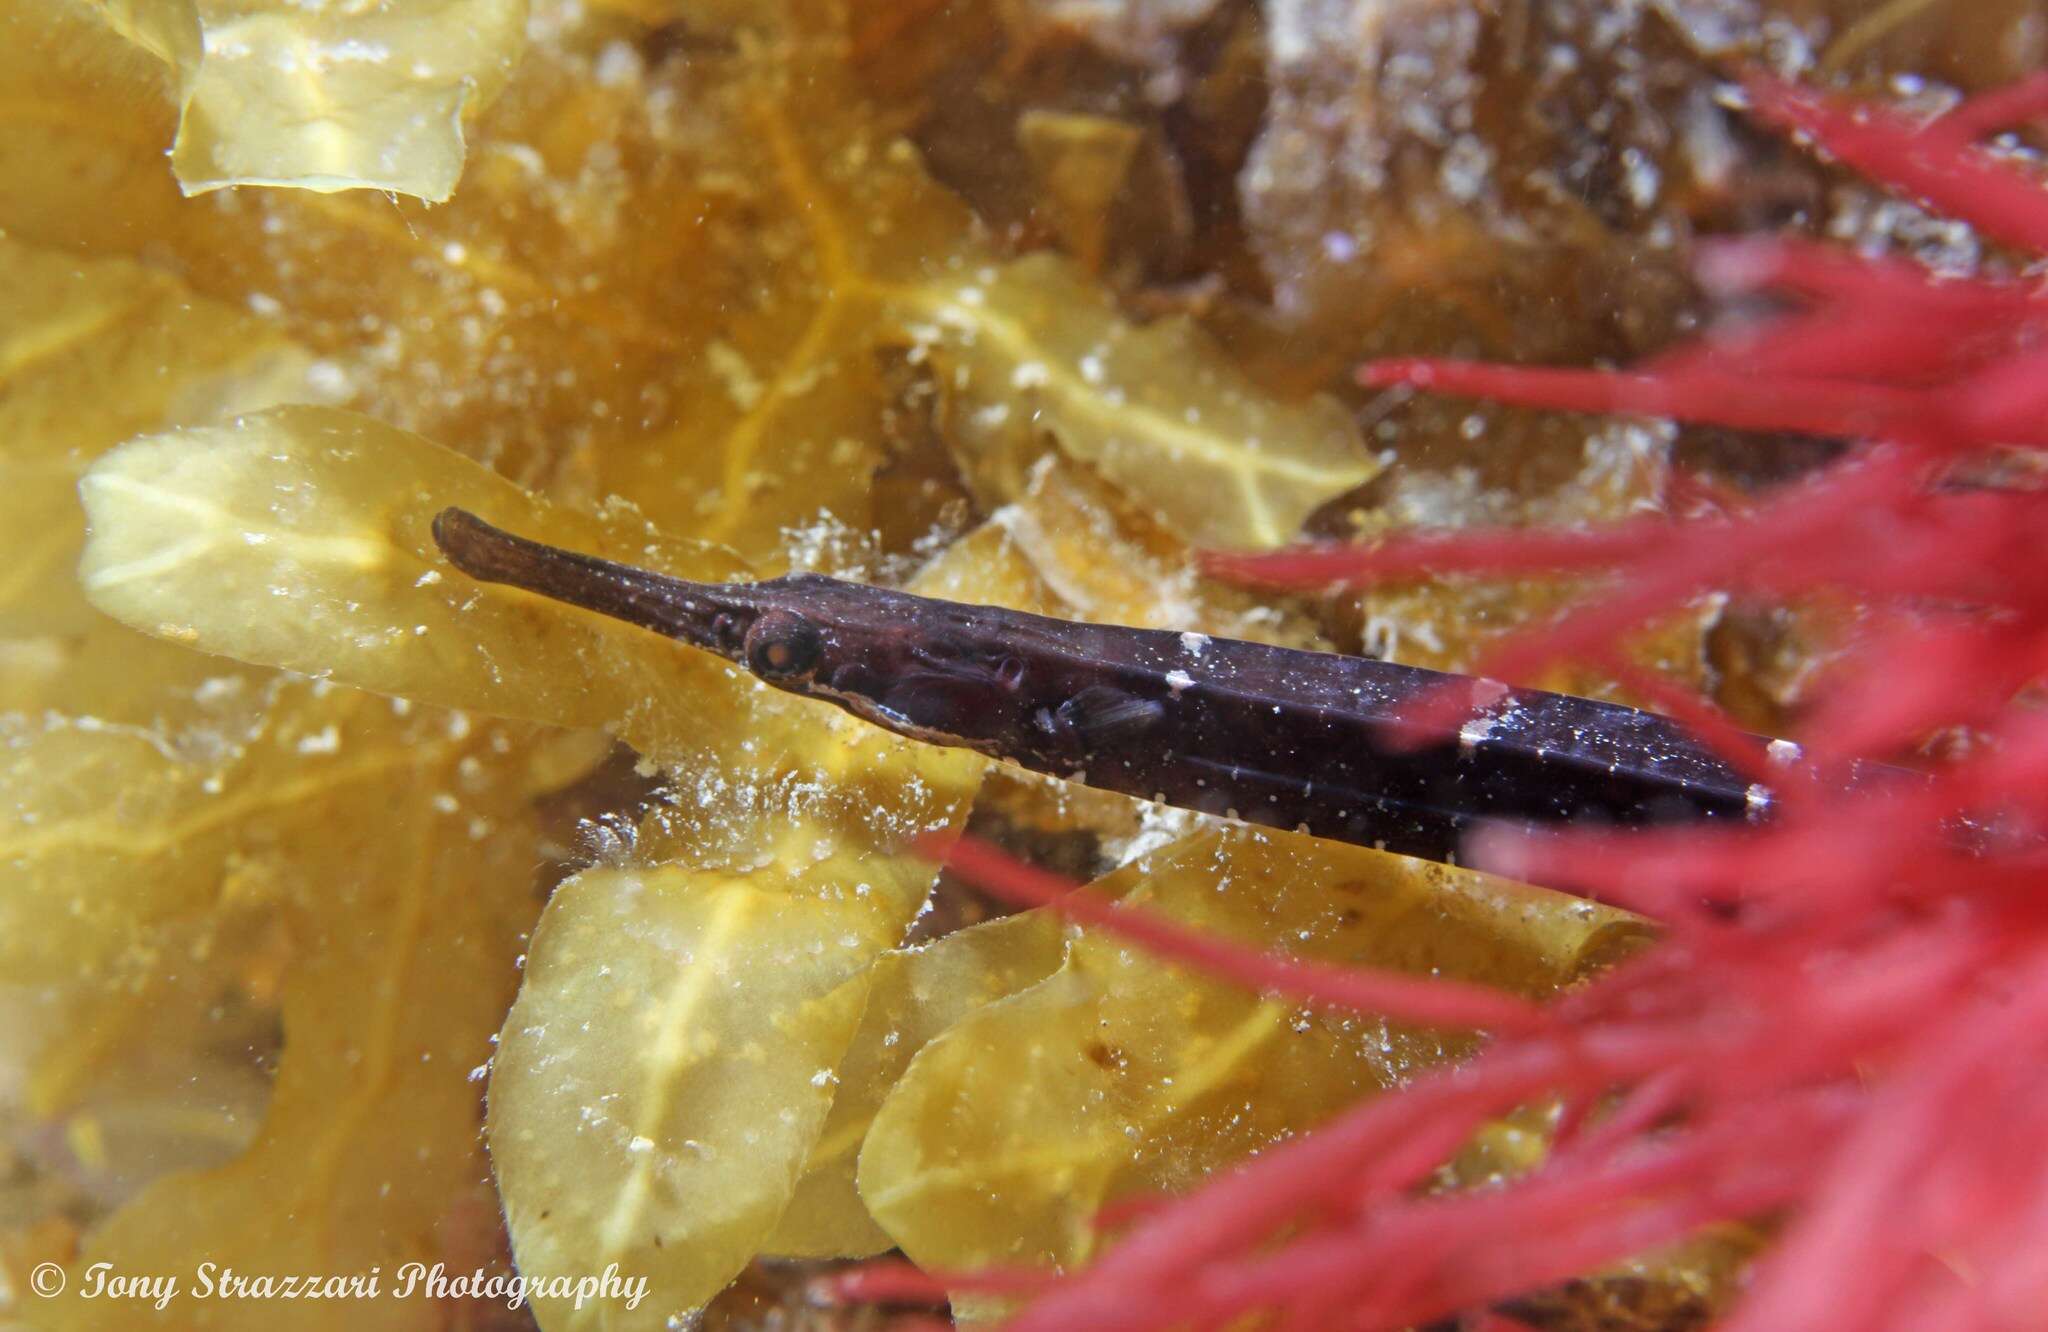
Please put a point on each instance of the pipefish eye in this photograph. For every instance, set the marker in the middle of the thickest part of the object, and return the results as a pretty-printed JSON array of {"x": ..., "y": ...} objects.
[{"x": 782, "y": 645}]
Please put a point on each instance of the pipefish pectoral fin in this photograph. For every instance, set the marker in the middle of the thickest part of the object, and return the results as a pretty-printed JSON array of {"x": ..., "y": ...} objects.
[{"x": 1102, "y": 715}]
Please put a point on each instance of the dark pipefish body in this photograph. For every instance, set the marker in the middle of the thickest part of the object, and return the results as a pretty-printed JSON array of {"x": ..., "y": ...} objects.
[{"x": 1270, "y": 735}]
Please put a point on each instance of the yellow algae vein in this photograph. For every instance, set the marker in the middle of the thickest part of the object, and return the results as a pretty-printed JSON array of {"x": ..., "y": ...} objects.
[{"x": 671, "y": 1052}]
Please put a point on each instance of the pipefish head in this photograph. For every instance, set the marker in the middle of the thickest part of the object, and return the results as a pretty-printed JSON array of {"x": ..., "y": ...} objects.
[
  {"x": 924, "y": 668},
  {"x": 776, "y": 628}
]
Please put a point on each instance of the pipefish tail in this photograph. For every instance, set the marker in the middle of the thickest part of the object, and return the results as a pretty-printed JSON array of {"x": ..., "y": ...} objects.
[{"x": 1270, "y": 735}]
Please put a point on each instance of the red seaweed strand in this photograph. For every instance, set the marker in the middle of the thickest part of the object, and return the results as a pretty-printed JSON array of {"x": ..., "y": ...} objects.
[
  {"x": 1844, "y": 1027},
  {"x": 1989, "y": 112},
  {"x": 1935, "y": 166},
  {"x": 1418, "y": 999}
]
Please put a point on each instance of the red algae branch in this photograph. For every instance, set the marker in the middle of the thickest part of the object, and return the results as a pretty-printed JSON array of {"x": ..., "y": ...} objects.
[
  {"x": 1845, "y": 1026},
  {"x": 1322, "y": 985}
]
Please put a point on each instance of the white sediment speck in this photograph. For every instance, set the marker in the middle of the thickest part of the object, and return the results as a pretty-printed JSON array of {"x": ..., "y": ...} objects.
[
  {"x": 737, "y": 377},
  {"x": 327, "y": 741},
  {"x": 1474, "y": 732},
  {"x": 1784, "y": 753},
  {"x": 218, "y": 687},
  {"x": 1758, "y": 798},
  {"x": 618, "y": 65},
  {"x": 1176, "y": 681},
  {"x": 1194, "y": 642}
]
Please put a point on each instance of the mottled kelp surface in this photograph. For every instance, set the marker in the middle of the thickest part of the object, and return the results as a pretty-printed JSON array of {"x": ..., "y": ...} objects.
[{"x": 306, "y": 843}]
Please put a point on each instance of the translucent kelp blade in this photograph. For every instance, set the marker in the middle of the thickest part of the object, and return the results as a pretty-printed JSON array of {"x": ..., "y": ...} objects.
[
  {"x": 1122, "y": 1076},
  {"x": 170, "y": 30},
  {"x": 814, "y": 212},
  {"x": 282, "y": 539},
  {"x": 196, "y": 852},
  {"x": 708, "y": 1012},
  {"x": 913, "y": 996},
  {"x": 670, "y": 1063},
  {"x": 100, "y": 349},
  {"x": 512, "y": 322},
  {"x": 95, "y": 350},
  {"x": 1031, "y": 349},
  {"x": 988, "y": 567},
  {"x": 84, "y": 138},
  {"x": 355, "y": 876},
  {"x": 1112, "y": 563},
  {"x": 1024, "y": 351},
  {"x": 332, "y": 98},
  {"x": 300, "y": 538}
]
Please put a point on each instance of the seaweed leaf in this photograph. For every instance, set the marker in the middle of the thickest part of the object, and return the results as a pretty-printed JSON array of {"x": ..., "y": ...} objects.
[
  {"x": 1031, "y": 347},
  {"x": 593, "y": 349},
  {"x": 202, "y": 533},
  {"x": 1113, "y": 565},
  {"x": 85, "y": 118},
  {"x": 668, "y": 1065},
  {"x": 101, "y": 349},
  {"x": 516, "y": 320},
  {"x": 1122, "y": 1076},
  {"x": 194, "y": 853},
  {"x": 913, "y": 996},
  {"x": 733, "y": 1127},
  {"x": 792, "y": 387},
  {"x": 327, "y": 97},
  {"x": 299, "y": 878}
]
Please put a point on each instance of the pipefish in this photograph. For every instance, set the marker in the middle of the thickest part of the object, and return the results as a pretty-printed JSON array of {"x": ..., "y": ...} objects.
[{"x": 1270, "y": 735}]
